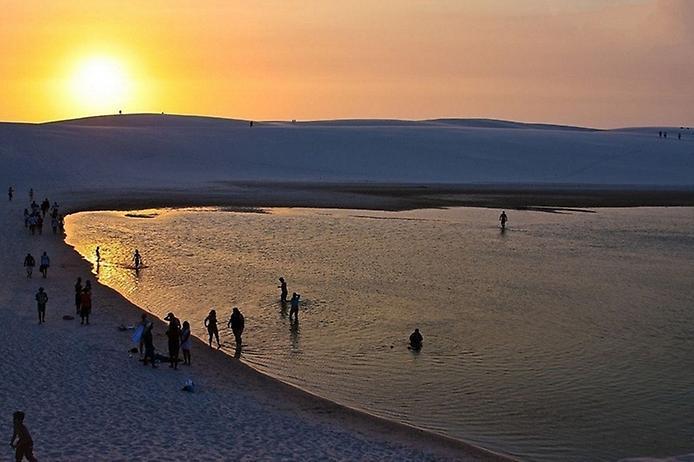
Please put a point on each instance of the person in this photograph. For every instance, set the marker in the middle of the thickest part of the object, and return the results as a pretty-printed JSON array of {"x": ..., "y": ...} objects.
[
  {"x": 54, "y": 209},
  {"x": 283, "y": 290},
  {"x": 26, "y": 218},
  {"x": 85, "y": 305},
  {"x": 10, "y": 193},
  {"x": 32, "y": 223},
  {"x": 29, "y": 264},
  {"x": 237, "y": 323},
  {"x": 141, "y": 342},
  {"x": 211, "y": 324},
  {"x": 39, "y": 223},
  {"x": 54, "y": 224},
  {"x": 45, "y": 205},
  {"x": 88, "y": 286},
  {"x": 174, "y": 335},
  {"x": 45, "y": 263},
  {"x": 294, "y": 306},
  {"x": 98, "y": 255},
  {"x": 24, "y": 448},
  {"x": 186, "y": 342},
  {"x": 416, "y": 340},
  {"x": 137, "y": 259},
  {"x": 149, "y": 344},
  {"x": 679, "y": 137},
  {"x": 503, "y": 219},
  {"x": 78, "y": 295},
  {"x": 41, "y": 300}
]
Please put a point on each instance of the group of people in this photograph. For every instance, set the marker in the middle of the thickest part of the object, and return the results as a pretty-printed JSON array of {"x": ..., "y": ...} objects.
[
  {"x": 30, "y": 263},
  {"x": 663, "y": 134},
  {"x": 35, "y": 216}
]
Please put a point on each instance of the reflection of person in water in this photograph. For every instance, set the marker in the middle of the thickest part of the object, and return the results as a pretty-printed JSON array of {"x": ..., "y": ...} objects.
[{"x": 416, "y": 340}]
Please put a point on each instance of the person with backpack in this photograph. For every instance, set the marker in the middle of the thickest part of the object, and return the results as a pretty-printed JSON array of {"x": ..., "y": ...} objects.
[
  {"x": 29, "y": 264},
  {"x": 41, "y": 300},
  {"x": 45, "y": 263}
]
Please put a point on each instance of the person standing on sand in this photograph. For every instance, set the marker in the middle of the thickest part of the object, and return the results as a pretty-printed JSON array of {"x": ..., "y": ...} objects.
[
  {"x": 211, "y": 324},
  {"x": 29, "y": 264},
  {"x": 25, "y": 445},
  {"x": 54, "y": 224},
  {"x": 237, "y": 323},
  {"x": 41, "y": 300},
  {"x": 294, "y": 306},
  {"x": 137, "y": 259},
  {"x": 503, "y": 219},
  {"x": 78, "y": 295},
  {"x": 416, "y": 340},
  {"x": 283, "y": 290},
  {"x": 10, "y": 193},
  {"x": 85, "y": 305},
  {"x": 186, "y": 342},
  {"x": 45, "y": 263},
  {"x": 174, "y": 335},
  {"x": 149, "y": 344},
  {"x": 88, "y": 286},
  {"x": 98, "y": 255}
]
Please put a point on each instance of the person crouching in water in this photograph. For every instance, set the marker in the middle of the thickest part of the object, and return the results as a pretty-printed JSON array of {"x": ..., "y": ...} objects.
[
  {"x": 237, "y": 323},
  {"x": 212, "y": 329},
  {"x": 186, "y": 342},
  {"x": 416, "y": 340},
  {"x": 25, "y": 445},
  {"x": 174, "y": 335}
]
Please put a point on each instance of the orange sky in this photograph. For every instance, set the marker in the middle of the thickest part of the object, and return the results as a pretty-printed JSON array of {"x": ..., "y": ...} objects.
[{"x": 601, "y": 63}]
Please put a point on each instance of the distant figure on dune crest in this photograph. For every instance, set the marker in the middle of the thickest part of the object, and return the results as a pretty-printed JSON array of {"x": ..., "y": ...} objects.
[
  {"x": 294, "y": 306},
  {"x": 29, "y": 264},
  {"x": 503, "y": 219},
  {"x": 25, "y": 445},
  {"x": 212, "y": 329},
  {"x": 41, "y": 300},
  {"x": 679, "y": 137},
  {"x": 283, "y": 290},
  {"x": 10, "y": 192},
  {"x": 45, "y": 263},
  {"x": 137, "y": 259},
  {"x": 186, "y": 342},
  {"x": 250, "y": 124},
  {"x": 416, "y": 340},
  {"x": 237, "y": 323}
]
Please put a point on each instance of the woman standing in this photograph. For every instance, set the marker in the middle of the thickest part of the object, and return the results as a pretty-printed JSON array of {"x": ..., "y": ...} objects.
[
  {"x": 211, "y": 324},
  {"x": 186, "y": 342}
]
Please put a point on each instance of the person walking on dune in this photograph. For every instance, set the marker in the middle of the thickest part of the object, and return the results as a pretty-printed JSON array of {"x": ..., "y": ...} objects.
[
  {"x": 212, "y": 329},
  {"x": 25, "y": 445},
  {"x": 503, "y": 219},
  {"x": 237, "y": 324},
  {"x": 294, "y": 306},
  {"x": 283, "y": 290},
  {"x": 41, "y": 300},
  {"x": 29, "y": 264},
  {"x": 45, "y": 263}
]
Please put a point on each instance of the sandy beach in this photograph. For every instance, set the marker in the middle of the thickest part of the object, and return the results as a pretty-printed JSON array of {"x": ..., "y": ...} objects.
[{"x": 86, "y": 398}]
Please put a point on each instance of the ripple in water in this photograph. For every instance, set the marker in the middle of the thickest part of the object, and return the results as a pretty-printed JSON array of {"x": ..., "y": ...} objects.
[{"x": 566, "y": 337}]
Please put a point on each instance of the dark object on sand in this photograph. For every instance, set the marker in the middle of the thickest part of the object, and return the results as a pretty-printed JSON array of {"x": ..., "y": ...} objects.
[
  {"x": 134, "y": 350},
  {"x": 67, "y": 317}
]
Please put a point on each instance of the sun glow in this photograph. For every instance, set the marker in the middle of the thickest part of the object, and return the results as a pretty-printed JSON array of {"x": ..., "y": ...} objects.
[{"x": 101, "y": 85}]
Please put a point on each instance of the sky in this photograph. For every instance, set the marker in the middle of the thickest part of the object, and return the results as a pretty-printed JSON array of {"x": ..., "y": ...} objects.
[{"x": 598, "y": 63}]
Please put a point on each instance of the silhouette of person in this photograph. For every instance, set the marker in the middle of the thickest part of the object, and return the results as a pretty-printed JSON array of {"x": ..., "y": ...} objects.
[
  {"x": 29, "y": 264},
  {"x": 237, "y": 324},
  {"x": 98, "y": 255},
  {"x": 45, "y": 263},
  {"x": 41, "y": 300},
  {"x": 148, "y": 342},
  {"x": 416, "y": 340},
  {"x": 24, "y": 448},
  {"x": 10, "y": 192},
  {"x": 85, "y": 305},
  {"x": 503, "y": 219},
  {"x": 174, "y": 335},
  {"x": 186, "y": 342},
  {"x": 212, "y": 329},
  {"x": 283, "y": 290},
  {"x": 294, "y": 306},
  {"x": 137, "y": 259}
]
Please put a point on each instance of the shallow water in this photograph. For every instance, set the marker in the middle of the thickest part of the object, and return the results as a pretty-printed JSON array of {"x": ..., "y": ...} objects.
[{"x": 567, "y": 337}]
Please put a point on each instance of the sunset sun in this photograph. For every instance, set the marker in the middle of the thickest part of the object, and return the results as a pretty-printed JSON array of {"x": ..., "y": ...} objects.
[{"x": 100, "y": 84}]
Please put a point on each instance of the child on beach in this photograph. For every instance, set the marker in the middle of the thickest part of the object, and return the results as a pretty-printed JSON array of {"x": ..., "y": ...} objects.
[
  {"x": 29, "y": 264},
  {"x": 211, "y": 324},
  {"x": 45, "y": 263},
  {"x": 25, "y": 445},
  {"x": 41, "y": 300},
  {"x": 186, "y": 342},
  {"x": 294, "y": 306}
]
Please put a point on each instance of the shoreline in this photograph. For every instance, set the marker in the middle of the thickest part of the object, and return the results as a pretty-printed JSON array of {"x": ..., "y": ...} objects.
[{"x": 301, "y": 400}]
